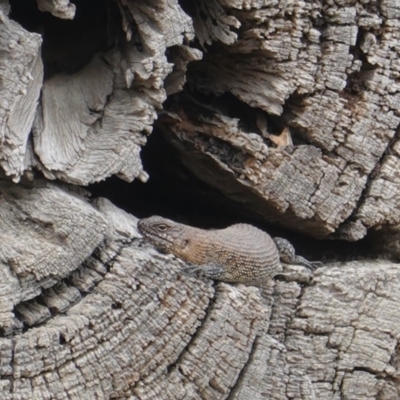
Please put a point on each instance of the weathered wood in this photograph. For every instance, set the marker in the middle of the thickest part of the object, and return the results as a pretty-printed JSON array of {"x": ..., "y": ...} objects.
[
  {"x": 147, "y": 330},
  {"x": 283, "y": 60},
  {"x": 297, "y": 61},
  {"x": 90, "y": 310},
  {"x": 277, "y": 178},
  {"x": 59, "y": 8},
  {"x": 90, "y": 124},
  {"x": 46, "y": 234},
  {"x": 21, "y": 74}
]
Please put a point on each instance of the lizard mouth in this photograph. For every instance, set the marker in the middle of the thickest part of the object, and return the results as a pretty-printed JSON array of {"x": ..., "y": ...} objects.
[{"x": 153, "y": 237}]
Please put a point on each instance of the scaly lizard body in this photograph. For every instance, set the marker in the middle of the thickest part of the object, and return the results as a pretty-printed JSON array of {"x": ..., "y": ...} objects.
[{"x": 240, "y": 253}]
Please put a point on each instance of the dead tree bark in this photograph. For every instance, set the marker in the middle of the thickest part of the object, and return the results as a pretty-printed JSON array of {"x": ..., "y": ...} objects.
[{"x": 290, "y": 109}]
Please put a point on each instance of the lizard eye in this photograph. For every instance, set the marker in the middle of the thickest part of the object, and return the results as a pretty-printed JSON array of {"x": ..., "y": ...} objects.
[{"x": 162, "y": 227}]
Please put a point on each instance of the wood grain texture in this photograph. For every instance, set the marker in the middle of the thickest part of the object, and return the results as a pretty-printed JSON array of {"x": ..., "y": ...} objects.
[
  {"x": 297, "y": 61},
  {"x": 90, "y": 124},
  {"x": 127, "y": 323},
  {"x": 89, "y": 310},
  {"x": 21, "y": 74},
  {"x": 46, "y": 234}
]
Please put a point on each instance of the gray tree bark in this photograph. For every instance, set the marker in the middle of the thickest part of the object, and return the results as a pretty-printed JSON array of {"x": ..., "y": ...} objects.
[{"x": 89, "y": 310}]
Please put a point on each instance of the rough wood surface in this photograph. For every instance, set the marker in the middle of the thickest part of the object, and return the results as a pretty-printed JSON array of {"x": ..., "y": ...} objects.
[
  {"x": 45, "y": 235},
  {"x": 21, "y": 74},
  {"x": 90, "y": 124},
  {"x": 329, "y": 73},
  {"x": 90, "y": 310},
  {"x": 127, "y": 323}
]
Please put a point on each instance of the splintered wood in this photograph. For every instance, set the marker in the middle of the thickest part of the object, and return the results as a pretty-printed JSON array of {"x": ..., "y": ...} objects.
[
  {"x": 21, "y": 74},
  {"x": 329, "y": 73},
  {"x": 91, "y": 124},
  {"x": 292, "y": 112},
  {"x": 279, "y": 178}
]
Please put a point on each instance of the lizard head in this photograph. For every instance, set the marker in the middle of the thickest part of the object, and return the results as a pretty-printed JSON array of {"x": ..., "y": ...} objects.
[{"x": 168, "y": 236}]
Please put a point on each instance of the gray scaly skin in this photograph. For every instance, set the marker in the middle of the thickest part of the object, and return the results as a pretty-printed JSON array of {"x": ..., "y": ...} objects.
[{"x": 240, "y": 253}]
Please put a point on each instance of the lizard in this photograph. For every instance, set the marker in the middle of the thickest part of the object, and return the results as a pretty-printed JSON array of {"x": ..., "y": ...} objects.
[{"x": 240, "y": 253}]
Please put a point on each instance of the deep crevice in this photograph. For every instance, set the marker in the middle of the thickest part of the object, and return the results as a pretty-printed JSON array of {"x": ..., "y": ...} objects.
[
  {"x": 61, "y": 339},
  {"x": 174, "y": 192},
  {"x": 377, "y": 374},
  {"x": 356, "y": 80},
  {"x": 68, "y": 45},
  {"x": 369, "y": 238}
]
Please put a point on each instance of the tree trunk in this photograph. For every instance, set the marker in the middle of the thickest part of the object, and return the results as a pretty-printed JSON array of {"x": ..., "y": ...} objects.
[{"x": 288, "y": 110}]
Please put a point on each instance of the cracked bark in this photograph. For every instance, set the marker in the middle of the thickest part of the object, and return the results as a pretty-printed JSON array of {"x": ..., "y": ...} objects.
[{"x": 89, "y": 309}]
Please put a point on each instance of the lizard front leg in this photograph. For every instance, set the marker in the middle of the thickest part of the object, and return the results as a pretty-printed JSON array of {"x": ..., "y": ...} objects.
[{"x": 213, "y": 271}]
